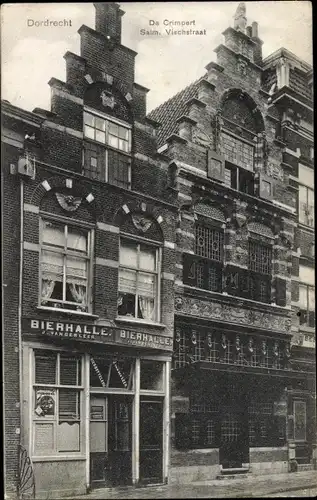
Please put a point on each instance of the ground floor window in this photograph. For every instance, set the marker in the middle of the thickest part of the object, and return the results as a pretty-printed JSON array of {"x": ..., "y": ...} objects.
[
  {"x": 57, "y": 403},
  {"x": 210, "y": 425}
]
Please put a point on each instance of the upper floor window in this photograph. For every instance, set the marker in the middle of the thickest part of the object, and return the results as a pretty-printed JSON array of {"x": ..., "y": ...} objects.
[
  {"x": 238, "y": 152},
  {"x": 107, "y": 158},
  {"x": 259, "y": 274},
  {"x": 239, "y": 156},
  {"x": 307, "y": 296},
  {"x": 306, "y": 204},
  {"x": 260, "y": 258},
  {"x": 107, "y": 132},
  {"x": 139, "y": 281},
  {"x": 204, "y": 269},
  {"x": 65, "y": 265}
]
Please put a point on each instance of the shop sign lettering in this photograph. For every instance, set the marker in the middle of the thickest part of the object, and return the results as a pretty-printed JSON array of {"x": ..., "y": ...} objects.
[{"x": 95, "y": 333}]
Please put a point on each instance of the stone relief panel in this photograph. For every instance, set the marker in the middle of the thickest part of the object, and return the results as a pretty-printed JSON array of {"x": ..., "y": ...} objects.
[{"x": 232, "y": 314}]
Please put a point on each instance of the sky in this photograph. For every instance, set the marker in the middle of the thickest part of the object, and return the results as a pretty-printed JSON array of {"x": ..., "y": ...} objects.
[{"x": 31, "y": 54}]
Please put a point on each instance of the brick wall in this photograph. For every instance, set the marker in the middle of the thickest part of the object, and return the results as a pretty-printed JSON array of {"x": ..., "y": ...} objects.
[{"x": 10, "y": 200}]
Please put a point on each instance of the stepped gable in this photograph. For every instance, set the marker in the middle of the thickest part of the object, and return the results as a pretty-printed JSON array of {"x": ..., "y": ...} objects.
[{"x": 172, "y": 109}]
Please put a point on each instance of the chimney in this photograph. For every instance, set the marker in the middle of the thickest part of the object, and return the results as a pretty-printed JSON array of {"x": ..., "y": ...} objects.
[
  {"x": 254, "y": 29},
  {"x": 108, "y": 20},
  {"x": 257, "y": 53},
  {"x": 249, "y": 31}
]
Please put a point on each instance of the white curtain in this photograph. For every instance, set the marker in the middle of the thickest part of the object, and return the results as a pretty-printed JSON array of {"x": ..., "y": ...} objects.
[
  {"x": 147, "y": 307},
  {"x": 78, "y": 293},
  {"x": 146, "y": 290},
  {"x": 47, "y": 289}
]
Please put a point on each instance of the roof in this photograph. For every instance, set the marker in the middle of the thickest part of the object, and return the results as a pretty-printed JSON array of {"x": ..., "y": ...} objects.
[{"x": 172, "y": 109}]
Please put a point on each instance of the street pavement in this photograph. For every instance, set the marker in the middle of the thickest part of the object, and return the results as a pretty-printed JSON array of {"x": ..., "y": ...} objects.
[{"x": 297, "y": 484}]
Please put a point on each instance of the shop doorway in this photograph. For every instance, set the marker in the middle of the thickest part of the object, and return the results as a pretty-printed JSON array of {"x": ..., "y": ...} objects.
[
  {"x": 234, "y": 439},
  {"x": 151, "y": 440},
  {"x": 110, "y": 440}
]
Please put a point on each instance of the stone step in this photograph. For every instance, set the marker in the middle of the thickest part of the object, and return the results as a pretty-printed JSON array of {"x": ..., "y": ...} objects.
[
  {"x": 235, "y": 470},
  {"x": 241, "y": 475},
  {"x": 302, "y": 467}
]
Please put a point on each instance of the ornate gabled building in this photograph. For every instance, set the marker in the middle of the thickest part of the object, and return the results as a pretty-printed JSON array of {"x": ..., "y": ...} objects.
[
  {"x": 89, "y": 273},
  {"x": 158, "y": 272},
  {"x": 240, "y": 146}
]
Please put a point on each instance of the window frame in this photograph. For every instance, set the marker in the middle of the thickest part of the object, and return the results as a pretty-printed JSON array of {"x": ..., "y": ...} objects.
[
  {"x": 54, "y": 420},
  {"x": 308, "y": 311},
  {"x": 158, "y": 273},
  {"x": 103, "y": 148},
  {"x": 302, "y": 217},
  {"x": 108, "y": 119},
  {"x": 44, "y": 217},
  {"x": 243, "y": 141}
]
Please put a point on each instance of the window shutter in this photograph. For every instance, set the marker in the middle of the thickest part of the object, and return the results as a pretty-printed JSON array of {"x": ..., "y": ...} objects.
[
  {"x": 280, "y": 287},
  {"x": 266, "y": 187},
  {"x": 189, "y": 270},
  {"x": 215, "y": 166}
]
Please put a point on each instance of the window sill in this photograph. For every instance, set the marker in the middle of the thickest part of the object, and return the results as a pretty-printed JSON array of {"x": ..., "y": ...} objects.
[
  {"x": 67, "y": 311},
  {"x": 58, "y": 458},
  {"x": 302, "y": 225},
  {"x": 307, "y": 329},
  {"x": 135, "y": 321}
]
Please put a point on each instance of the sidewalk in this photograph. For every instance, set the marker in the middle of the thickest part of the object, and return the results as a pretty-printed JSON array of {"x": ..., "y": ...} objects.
[{"x": 253, "y": 486}]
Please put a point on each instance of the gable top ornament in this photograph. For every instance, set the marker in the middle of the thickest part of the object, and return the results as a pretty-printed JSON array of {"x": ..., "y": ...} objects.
[{"x": 240, "y": 20}]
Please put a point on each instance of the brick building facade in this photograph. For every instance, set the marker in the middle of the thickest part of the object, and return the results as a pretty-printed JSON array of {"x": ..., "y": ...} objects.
[{"x": 158, "y": 300}]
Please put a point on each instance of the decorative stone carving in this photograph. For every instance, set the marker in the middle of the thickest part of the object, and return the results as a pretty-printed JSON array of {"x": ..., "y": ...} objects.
[
  {"x": 264, "y": 348},
  {"x": 250, "y": 347},
  {"x": 275, "y": 171},
  {"x": 242, "y": 68},
  {"x": 200, "y": 137},
  {"x": 229, "y": 313},
  {"x": 178, "y": 303},
  {"x": 68, "y": 202},
  {"x": 141, "y": 222},
  {"x": 240, "y": 20},
  {"x": 108, "y": 99}
]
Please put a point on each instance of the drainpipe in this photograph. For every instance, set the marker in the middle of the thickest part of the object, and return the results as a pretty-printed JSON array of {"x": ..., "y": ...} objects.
[{"x": 20, "y": 300}]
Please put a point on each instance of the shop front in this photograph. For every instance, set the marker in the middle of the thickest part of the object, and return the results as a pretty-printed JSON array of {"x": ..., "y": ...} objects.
[
  {"x": 96, "y": 406},
  {"x": 230, "y": 398}
]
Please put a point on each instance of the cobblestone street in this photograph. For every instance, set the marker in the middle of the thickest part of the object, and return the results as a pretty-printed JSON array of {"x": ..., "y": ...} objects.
[{"x": 297, "y": 484}]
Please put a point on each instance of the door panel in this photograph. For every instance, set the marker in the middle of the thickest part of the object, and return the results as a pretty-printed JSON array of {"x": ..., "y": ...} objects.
[
  {"x": 120, "y": 439},
  {"x": 234, "y": 440},
  {"x": 110, "y": 440},
  {"x": 151, "y": 441}
]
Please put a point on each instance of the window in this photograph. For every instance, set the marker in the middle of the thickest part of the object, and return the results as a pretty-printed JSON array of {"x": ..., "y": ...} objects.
[
  {"x": 307, "y": 305},
  {"x": 65, "y": 263},
  {"x": 306, "y": 204},
  {"x": 57, "y": 390},
  {"x": 204, "y": 270},
  {"x": 238, "y": 152},
  {"x": 299, "y": 408},
  {"x": 108, "y": 161},
  {"x": 107, "y": 132},
  {"x": 106, "y": 165},
  {"x": 260, "y": 269},
  {"x": 260, "y": 258},
  {"x": 239, "y": 179},
  {"x": 139, "y": 281}
]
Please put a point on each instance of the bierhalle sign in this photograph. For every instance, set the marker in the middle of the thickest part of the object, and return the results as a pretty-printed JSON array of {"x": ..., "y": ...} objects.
[{"x": 95, "y": 333}]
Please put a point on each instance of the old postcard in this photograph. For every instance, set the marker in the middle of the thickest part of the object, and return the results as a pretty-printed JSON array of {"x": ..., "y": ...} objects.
[{"x": 158, "y": 250}]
